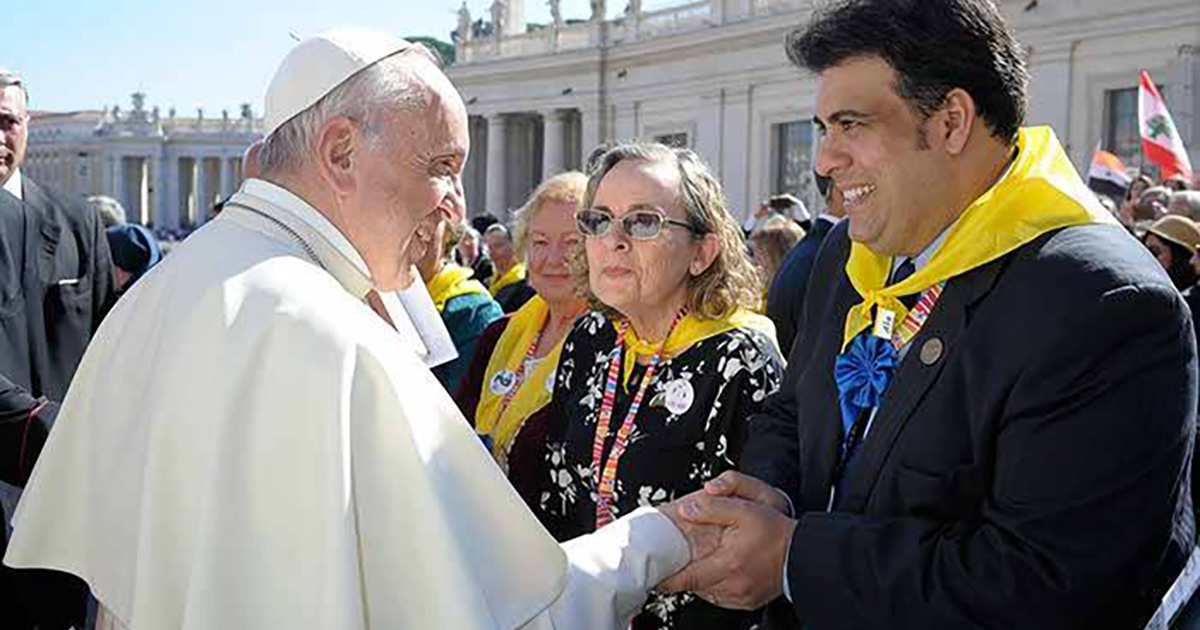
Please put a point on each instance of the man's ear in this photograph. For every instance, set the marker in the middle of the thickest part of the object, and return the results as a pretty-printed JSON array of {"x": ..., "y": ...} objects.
[
  {"x": 338, "y": 142},
  {"x": 955, "y": 121},
  {"x": 710, "y": 246}
]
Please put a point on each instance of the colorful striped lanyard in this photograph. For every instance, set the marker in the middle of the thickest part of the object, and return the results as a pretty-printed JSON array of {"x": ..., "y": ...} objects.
[
  {"x": 606, "y": 470},
  {"x": 915, "y": 320}
]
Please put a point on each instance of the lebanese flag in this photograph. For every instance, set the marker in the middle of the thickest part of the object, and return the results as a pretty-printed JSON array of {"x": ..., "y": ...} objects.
[{"x": 1160, "y": 140}]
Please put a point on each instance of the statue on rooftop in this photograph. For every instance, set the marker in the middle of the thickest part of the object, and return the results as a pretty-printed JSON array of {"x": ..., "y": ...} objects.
[
  {"x": 499, "y": 17},
  {"x": 464, "y": 24}
]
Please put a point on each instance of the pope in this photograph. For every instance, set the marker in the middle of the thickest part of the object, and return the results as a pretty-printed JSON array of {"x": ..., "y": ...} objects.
[{"x": 254, "y": 438}]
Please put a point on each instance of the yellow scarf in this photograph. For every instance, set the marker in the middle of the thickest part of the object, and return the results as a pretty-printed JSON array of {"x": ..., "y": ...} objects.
[
  {"x": 1040, "y": 193},
  {"x": 451, "y": 282},
  {"x": 533, "y": 394},
  {"x": 513, "y": 276},
  {"x": 692, "y": 330}
]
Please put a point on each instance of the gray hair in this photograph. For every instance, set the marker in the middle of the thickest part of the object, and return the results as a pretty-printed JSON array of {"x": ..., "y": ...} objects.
[
  {"x": 1186, "y": 203},
  {"x": 498, "y": 228},
  {"x": 11, "y": 79},
  {"x": 110, "y": 210},
  {"x": 364, "y": 98}
]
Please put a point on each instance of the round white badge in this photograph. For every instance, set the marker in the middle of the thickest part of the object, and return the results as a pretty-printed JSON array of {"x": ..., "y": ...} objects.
[
  {"x": 502, "y": 382},
  {"x": 679, "y": 396}
]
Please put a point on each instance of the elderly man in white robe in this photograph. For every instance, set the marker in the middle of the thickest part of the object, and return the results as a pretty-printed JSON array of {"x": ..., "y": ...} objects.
[{"x": 247, "y": 445}]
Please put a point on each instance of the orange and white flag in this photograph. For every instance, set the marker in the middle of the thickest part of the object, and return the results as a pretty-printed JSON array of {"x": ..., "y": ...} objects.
[
  {"x": 1108, "y": 167},
  {"x": 1160, "y": 139}
]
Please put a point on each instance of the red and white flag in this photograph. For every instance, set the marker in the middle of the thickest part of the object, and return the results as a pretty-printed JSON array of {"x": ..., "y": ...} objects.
[{"x": 1160, "y": 140}]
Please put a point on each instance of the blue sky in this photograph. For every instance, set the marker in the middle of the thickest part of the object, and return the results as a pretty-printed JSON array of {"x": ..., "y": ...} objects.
[{"x": 88, "y": 54}]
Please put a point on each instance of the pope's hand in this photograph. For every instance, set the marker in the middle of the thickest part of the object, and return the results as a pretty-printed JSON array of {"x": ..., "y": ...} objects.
[
  {"x": 746, "y": 570},
  {"x": 702, "y": 538}
]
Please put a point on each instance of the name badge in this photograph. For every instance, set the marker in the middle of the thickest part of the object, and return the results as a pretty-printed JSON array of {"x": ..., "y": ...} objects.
[
  {"x": 502, "y": 382},
  {"x": 885, "y": 323}
]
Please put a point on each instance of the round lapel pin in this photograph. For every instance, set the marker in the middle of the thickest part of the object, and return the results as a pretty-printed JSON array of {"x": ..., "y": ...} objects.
[{"x": 931, "y": 351}]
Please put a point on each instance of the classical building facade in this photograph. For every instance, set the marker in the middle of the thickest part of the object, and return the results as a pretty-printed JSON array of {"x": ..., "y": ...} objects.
[
  {"x": 712, "y": 75},
  {"x": 167, "y": 171}
]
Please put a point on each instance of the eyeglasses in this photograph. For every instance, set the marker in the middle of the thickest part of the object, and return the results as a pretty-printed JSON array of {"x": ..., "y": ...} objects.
[{"x": 640, "y": 225}]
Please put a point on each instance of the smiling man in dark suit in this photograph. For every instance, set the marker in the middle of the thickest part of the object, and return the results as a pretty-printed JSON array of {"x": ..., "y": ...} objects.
[
  {"x": 56, "y": 283},
  {"x": 989, "y": 417}
]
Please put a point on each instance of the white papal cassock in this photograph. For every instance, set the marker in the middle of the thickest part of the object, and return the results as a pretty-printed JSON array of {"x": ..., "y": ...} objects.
[{"x": 248, "y": 446}]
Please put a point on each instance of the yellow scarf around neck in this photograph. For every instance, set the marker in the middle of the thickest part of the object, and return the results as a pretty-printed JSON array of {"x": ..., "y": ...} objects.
[
  {"x": 509, "y": 354},
  {"x": 1041, "y": 192},
  {"x": 451, "y": 282},
  {"x": 512, "y": 276},
  {"x": 692, "y": 330}
]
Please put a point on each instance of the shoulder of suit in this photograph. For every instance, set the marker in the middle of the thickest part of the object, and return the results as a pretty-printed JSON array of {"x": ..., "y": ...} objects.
[
  {"x": 76, "y": 210},
  {"x": 1086, "y": 260}
]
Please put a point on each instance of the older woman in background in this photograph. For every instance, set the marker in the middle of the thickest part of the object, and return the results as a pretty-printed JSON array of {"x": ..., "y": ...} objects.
[
  {"x": 655, "y": 385},
  {"x": 512, "y": 375},
  {"x": 465, "y": 304}
]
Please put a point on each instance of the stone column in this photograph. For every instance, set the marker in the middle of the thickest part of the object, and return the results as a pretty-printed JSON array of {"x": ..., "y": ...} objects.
[
  {"x": 203, "y": 192},
  {"x": 164, "y": 192},
  {"x": 736, "y": 129},
  {"x": 552, "y": 150},
  {"x": 496, "y": 136},
  {"x": 118, "y": 179},
  {"x": 226, "y": 177},
  {"x": 589, "y": 133}
]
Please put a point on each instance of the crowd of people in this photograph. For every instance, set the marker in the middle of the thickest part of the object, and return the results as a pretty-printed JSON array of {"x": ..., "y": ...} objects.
[{"x": 961, "y": 394}]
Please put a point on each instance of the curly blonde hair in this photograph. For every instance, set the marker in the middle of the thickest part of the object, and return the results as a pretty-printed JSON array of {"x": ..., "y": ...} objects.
[
  {"x": 731, "y": 281},
  {"x": 565, "y": 187}
]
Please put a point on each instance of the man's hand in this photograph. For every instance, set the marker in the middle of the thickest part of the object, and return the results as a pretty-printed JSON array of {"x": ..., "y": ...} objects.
[
  {"x": 735, "y": 484},
  {"x": 746, "y": 570}
]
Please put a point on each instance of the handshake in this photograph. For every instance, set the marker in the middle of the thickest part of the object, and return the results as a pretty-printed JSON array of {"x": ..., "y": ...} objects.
[{"x": 739, "y": 530}]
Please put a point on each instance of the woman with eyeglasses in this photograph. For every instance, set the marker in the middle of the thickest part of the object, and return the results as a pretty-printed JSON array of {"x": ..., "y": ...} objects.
[
  {"x": 511, "y": 376},
  {"x": 655, "y": 385}
]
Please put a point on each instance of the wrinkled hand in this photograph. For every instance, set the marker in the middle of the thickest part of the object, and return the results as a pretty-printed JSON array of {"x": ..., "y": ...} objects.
[
  {"x": 734, "y": 484},
  {"x": 703, "y": 539},
  {"x": 746, "y": 570}
]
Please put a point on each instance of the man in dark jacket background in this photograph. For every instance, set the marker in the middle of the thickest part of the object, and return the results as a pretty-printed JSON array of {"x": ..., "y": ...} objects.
[
  {"x": 56, "y": 284},
  {"x": 785, "y": 300}
]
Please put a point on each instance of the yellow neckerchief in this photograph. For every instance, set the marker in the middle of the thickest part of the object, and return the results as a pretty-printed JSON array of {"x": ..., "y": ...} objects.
[
  {"x": 1041, "y": 192},
  {"x": 692, "y": 330},
  {"x": 451, "y": 282},
  {"x": 509, "y": 354},
  {"x": 512, "y": 276}
]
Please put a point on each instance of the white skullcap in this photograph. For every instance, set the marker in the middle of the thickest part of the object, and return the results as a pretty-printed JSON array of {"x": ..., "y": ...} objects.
[{"x": 319, "y": 64}]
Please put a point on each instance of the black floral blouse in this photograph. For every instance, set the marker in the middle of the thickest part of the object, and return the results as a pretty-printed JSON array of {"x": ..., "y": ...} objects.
[{"x": 691, "y": 427}]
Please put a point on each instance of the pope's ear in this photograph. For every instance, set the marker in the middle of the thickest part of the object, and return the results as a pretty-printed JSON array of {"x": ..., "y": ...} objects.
[{"x": 336, "y": 154}]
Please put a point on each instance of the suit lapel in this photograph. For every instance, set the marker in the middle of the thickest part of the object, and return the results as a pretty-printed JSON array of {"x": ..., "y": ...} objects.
[
  {"x": 928, "y": 354},
  {"x": 42, "y": 235}
]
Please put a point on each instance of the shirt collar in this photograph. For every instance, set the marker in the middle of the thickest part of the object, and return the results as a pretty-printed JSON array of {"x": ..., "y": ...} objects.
[
  {"x": 922, "y": 258},
  {"x": 288, "y": 200},
  {"x": 13, "y": 185}
]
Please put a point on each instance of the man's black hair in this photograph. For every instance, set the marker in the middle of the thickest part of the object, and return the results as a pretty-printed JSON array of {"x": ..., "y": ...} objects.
[{"x": 933, "y": 45}]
